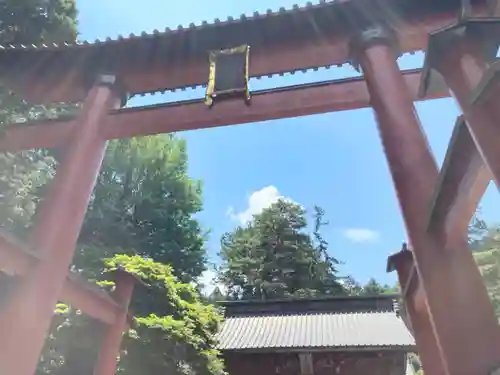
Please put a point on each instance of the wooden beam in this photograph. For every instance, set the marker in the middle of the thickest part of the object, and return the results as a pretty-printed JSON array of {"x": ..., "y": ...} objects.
[
  {"x": 36, "y": 134},
  {"x": 17, "y": 260},
  {"x": 273, "y": 104},
  {"x": 463, "y": 181},
  {"x": 292, "y": 56},
  {"x": 403, "y": 263},
  {"x": 82, "y": 295}
]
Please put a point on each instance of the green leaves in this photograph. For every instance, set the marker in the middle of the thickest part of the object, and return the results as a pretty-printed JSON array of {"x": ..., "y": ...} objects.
[
  {"x": 487, "y": 256},
  {"x": 143, "y": 203},
  {"x": 178, "y": 334},
  {"x": 275, "y": 256},
  {"x": 33, "y": 21}
]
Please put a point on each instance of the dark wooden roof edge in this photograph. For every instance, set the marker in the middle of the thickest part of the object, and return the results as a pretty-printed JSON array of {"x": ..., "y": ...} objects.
[
  {"x": 338, "y": 304},
  {"x": 313, "y": 299},
  {"x": 169, "y": 31},
  {"x": 323, "y": 349},
  {"x": 203, "y": 25}
]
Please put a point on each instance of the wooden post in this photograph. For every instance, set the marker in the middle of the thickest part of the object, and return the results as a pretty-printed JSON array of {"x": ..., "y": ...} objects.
[
  {"x": 419, "y": 319},
  {"x": 467, "y": 73},
  {"x": 457, "y": 300},
  {"x": 26, "y": 318},
  {"x": 112, "y": 338}
]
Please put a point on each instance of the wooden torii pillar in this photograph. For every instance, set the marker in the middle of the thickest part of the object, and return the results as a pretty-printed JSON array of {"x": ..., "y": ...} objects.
[
  {"x": 112, "y": 338},
  {"x": 27, "y": 315},
  {"x": 457, "y": 302}
]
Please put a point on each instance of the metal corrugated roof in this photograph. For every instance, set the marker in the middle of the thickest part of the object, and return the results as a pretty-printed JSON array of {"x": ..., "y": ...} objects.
[{"x": 317, "y": 330}]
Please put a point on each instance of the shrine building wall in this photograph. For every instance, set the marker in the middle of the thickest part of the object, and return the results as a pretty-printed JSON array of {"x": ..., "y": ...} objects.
[{"x": 321, "y": 363}]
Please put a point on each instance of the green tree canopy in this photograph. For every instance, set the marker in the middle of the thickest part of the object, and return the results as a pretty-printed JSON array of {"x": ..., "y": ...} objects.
[
  {"x": 275, "y": 256},
  {"x": 374, "y": 288},
  {"x": 35, "y": 21},
  {"x": 144, "y": 204},
  {"x": 371, "y": 288}
]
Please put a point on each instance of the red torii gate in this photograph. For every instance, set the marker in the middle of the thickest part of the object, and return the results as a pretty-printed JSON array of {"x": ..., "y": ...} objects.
[{"x": 453, "y": 320}]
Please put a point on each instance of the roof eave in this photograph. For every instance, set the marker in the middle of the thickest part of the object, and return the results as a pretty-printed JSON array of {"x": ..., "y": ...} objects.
[{"x": 359, "y": 348}]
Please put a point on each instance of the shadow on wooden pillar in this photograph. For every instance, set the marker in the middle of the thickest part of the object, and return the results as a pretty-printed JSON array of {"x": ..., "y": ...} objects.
[
  {"x": 112, "y": 337},
  {"x": 416, "y": 308},
  {"x": 461, "y": 314}
]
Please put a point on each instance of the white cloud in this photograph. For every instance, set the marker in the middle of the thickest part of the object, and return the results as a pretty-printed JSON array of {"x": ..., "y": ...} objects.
[
  {"x": 257, "y": 202},
  {"x": 361, "y": 235}
]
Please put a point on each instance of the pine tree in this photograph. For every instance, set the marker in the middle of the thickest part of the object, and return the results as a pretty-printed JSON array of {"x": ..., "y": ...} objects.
[{"x": 275, "y": 256}]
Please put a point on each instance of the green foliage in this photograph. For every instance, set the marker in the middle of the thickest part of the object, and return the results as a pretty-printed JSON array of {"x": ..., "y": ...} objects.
[
  {"x": 351, "y": 286},
  {"x": 34, "y": 21},
  {"x": 371, "y": 288},
  {"x": 175, "y": 319},
  {"x": 71, "y": 347},
  {"x": 487, "y": 256},
  {"x": 275, "y": 257},
  {"x": 21, "y": 178},
  {"x": 144, "y": 203},
  {"x": 174, "y": 330},
  {"x": 374, "y": 288}
]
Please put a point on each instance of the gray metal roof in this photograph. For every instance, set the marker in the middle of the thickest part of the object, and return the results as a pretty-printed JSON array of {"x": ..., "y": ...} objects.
[{"x": 315, "y": 330}]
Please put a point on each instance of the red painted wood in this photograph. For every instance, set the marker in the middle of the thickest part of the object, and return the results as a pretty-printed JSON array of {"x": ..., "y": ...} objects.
[
  {"x": 419, "y": 318},
  {"x": 94, "y": 303},
  {"x": 448, "y": 274},
  {"x": 463, "y": 67},
  {"x": 17, "y": 260},
  {"x": 332, "y": 50},
  {"x": 27, "y": 315},
  {"x": 112, "y": 338},
  {"x": 464, "y": 178},
  {"x": 342, "y": 95},
  {"x": 38, "y": 134}
]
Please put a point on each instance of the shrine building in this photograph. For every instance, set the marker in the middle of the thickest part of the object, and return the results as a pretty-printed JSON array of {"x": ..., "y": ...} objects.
[{"x": 323, "y": 336}]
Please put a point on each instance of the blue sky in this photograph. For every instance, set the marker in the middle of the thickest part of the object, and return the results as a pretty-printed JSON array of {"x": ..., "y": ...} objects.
[{"x": 333, "y": 160}]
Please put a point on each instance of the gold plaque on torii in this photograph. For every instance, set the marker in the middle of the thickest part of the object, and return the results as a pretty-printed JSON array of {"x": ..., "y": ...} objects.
[{"x": 228, "y": 75}]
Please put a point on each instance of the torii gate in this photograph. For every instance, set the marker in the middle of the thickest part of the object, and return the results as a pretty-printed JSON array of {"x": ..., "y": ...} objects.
[{"x": 455, "y": 327}]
